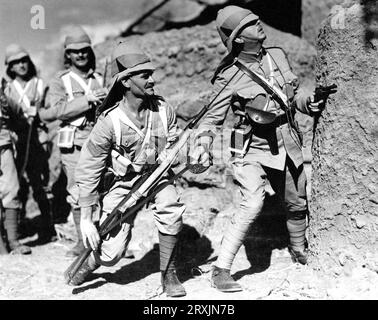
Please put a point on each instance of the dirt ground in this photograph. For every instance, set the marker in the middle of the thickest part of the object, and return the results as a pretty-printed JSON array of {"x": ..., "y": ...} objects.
[{"x": 264, "y": 269}]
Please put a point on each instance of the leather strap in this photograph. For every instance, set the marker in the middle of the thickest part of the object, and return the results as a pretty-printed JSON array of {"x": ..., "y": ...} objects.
[{"x": 276, "y": 93}]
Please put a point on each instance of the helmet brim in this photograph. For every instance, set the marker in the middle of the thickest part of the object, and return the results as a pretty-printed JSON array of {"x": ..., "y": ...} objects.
[
  {"x": 77, "y": 46},
  {"x": 16, "y": 57}
]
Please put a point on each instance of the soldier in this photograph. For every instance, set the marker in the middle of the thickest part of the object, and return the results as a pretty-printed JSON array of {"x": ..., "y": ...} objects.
[
  {"x": 25, "y": 91},
  {"x": 135, "y": 129},
  {"x": 9, "y": 182},
  {"x": 73, "y": 96},
  {"x": 265, "y": 144}
]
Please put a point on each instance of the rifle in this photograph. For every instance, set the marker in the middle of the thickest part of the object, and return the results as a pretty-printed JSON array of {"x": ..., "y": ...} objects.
[
  {"x": 142, "y": 191},
  {"x": 30, "y": 121},
  {"x": 3, "y": 234}
]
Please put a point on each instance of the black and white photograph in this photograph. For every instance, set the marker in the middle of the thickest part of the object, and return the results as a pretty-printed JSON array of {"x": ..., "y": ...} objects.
[{"x": 200, "y": 152}]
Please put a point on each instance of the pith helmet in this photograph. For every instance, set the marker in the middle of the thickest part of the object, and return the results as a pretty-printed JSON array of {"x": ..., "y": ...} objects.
[
  {"x": 14, "y": 52},
  {"x": 128, "y": 58},
  {"x": 77, "y": 39},
  {"x": 230, "y": 22}
]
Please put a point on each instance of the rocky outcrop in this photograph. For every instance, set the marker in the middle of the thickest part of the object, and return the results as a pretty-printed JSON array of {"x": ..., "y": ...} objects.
[
  {"x": 313, "y": 13},
  {"x": 344, "y": 205}
]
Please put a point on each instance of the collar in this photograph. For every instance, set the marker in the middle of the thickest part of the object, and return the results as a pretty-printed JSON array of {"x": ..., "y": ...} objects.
[{"x": 89, "y": 74}]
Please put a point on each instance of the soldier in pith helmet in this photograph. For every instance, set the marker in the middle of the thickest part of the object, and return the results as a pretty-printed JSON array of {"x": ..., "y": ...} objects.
[
  {"x": 73, "y": 96},
  {"x": 26, "y": 91},
  {"x": 134, "y": 129},
  {"x": 261, "y": 88}
]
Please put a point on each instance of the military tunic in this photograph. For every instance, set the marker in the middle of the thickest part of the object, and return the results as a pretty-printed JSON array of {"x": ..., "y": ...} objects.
[
  {"x": 69, "y": 104},
  {"x": 259, "y": 166},
  {"x": 9, "y": 183},
  {"x": 94, "y": 160},
  {"x": 37, "y": 168}
]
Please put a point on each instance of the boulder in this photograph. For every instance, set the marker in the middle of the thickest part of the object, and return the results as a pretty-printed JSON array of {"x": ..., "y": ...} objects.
[{"x": 344, "y": 203}]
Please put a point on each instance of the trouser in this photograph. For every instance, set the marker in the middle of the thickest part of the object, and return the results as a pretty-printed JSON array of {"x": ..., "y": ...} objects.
[
  {"x": 167, "y": 212},
  {"x": 70, "y": 158},
  {"x": 9, "y": 188},
  {"x": 38, "y": 175},
  {"x": 9, "y": 183},
  {"x": 252, "y": 178}
]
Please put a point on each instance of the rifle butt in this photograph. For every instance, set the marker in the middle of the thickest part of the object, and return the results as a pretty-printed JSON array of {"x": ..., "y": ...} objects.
[{"x": 75, "y": 266}]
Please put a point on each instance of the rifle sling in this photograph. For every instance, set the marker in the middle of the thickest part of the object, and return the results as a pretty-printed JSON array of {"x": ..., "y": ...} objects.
[{"x": 262, "y": 83}]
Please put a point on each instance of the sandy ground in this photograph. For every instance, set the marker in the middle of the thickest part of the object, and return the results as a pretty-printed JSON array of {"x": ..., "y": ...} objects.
[{"x": 39, "y": 276}]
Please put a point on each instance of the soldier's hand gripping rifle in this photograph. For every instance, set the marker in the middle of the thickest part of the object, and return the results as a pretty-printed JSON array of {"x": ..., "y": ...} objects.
[{"x": 146, "y": 187}]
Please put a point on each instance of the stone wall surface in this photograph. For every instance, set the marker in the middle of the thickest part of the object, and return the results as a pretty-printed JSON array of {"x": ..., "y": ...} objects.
[
  {"x": 313, "y": 13},
  {"x": 344, "y": 205}
]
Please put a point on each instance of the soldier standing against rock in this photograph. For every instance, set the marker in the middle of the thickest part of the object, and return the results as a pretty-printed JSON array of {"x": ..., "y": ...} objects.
[
  {"x": 266, "y": 143},
  {"x": 25, "y": 92},
  {"x": 127, "y": 137},
  {"x": 73, "y": 96}
]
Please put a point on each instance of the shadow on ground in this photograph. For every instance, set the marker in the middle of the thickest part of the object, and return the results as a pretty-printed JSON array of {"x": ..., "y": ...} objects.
[{"x": 268, "y": 232}]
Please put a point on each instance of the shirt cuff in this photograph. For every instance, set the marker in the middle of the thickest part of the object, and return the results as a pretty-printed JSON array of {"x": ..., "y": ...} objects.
[{"x": 87, "y": 201}]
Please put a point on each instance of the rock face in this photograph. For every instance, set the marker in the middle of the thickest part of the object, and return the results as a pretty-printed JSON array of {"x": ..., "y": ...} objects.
[
  {"x": 344, "y": 205},
  {"x": 313, "y": 13}
]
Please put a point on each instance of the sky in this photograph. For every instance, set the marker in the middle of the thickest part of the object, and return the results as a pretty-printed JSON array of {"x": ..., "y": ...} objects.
[{"x": 16, "y": 17}]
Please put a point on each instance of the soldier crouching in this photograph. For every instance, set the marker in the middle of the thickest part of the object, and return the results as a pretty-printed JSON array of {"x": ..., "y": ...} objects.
[{"x": 126, "y": 138}]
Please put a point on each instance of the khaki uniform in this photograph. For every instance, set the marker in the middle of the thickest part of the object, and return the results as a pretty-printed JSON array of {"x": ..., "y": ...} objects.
[
  {"x": 259, "y": 166},
  {"x": 37, "y": 168},
  {"x": 95, "y": 157},
  {"x": 9, "y": 183},
  {"x": 66, "y": 101}
]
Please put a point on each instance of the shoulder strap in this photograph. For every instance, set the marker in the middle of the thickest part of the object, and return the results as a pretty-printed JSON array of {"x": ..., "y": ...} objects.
[
  {"x": 22, "y": 92},
  {"x": 99, "y": 79},
  {"x": 164, "y": 118},
  {"x": 275, "y": 92},
  {"x": 116, "y": 125},
  {"x": 126, "y": 120},
  {"x": 68, "y": 85}
]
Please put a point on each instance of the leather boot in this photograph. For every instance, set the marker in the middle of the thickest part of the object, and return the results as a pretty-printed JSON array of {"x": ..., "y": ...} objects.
[
  {"x": 171, "y": 284},
  {"x": 11, "y": 226},
  {"x": 168, "y": 253},
  {"x": 83, "y": 273},
  {"x": 46, "y": 231},
  {"x": 222, "y": 280},
  {"x": 298, "y": 255},
  {"x": 79, "y": 247},
  {"x": 3, "y": 240}
]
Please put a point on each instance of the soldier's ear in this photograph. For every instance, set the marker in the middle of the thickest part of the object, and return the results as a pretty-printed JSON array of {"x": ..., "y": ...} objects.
[{"x": 126, "y": 83}]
